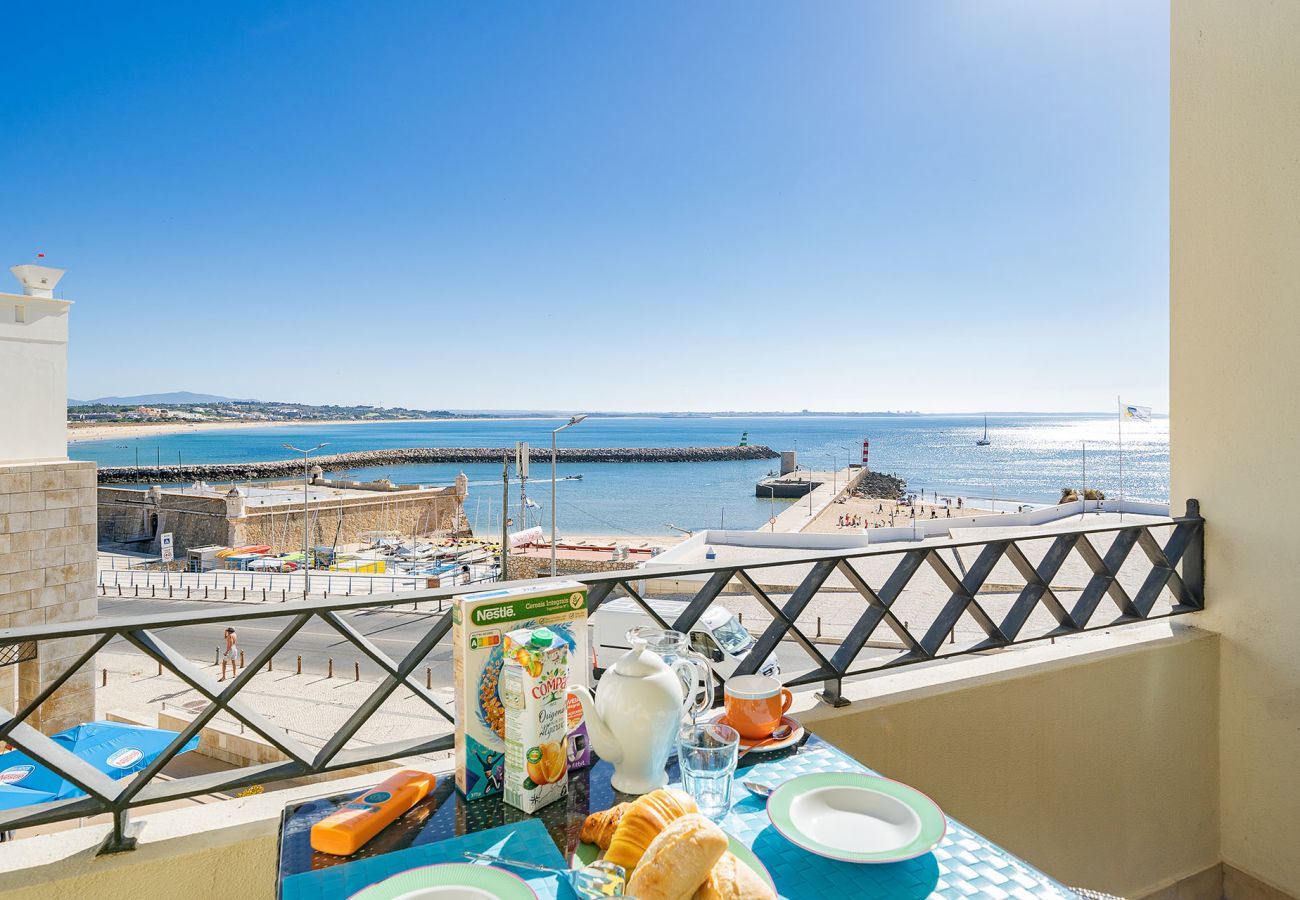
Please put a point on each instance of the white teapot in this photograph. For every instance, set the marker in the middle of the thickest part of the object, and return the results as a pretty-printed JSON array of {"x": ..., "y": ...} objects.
[{"x": 634, "y": 717}]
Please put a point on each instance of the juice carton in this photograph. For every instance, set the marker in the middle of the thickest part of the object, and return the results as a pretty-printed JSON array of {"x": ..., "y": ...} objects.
[
  {"x": 535, "y": 693},
  {"x": 480, "y": 623}
]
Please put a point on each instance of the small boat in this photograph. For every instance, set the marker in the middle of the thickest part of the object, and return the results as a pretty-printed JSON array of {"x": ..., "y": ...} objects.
[
  {"x": 272, "y": 564},
  {"x": 243, "y": 551},
  {"x": 984, "y": 441},
  {"x": 419, "y": 551},
  {"x": 434, "y": 571}
]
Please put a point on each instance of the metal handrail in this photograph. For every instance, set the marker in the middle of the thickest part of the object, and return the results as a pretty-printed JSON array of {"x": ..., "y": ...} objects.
[{"x": 1177, "y": 564}]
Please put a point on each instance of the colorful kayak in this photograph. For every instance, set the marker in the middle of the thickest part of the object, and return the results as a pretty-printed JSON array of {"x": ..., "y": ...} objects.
[{"x": 243, "y": 551}]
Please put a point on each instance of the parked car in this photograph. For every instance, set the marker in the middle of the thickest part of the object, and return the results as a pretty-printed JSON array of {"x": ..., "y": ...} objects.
[{"x": 718, "y": 636}]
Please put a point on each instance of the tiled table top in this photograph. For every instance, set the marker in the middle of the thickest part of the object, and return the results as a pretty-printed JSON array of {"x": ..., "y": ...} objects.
[{"x": 963, "y": 865}]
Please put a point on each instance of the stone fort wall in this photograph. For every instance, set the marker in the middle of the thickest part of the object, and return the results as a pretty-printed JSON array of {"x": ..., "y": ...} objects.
[
  {"x": 138, "y": 518},
  {"x": 538, "y": 567},
  {"x": 344, "y": 522}
]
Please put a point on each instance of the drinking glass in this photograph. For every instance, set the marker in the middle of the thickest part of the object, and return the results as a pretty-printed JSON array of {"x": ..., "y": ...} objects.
[{"x": 706, "y": 754}]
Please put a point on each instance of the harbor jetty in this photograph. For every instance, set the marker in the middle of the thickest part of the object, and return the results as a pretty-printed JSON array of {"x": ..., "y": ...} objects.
[{"x": 244, "y": 471}]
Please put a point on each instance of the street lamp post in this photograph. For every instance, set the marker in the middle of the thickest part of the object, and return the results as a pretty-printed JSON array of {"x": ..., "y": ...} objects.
[
  {"x": 306, "y": 565},
  {"x": 848, "y": 463},
  {"x": 574, "y": 420}
]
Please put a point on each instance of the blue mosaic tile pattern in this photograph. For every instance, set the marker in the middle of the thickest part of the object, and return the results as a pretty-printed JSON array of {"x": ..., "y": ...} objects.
[
  {"x": 442, "y": 826},
  {"x": 963, "y": 865},
  {"x": 526, "y": 841}
]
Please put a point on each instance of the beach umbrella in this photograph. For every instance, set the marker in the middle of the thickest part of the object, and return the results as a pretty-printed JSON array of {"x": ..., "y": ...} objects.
[
  {"x": 13, "y": 797},
  {"x": 115, "y": 748}
]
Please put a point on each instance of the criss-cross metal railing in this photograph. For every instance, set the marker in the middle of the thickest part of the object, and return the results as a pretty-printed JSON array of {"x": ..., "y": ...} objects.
[{"x": 786, "y": 589}]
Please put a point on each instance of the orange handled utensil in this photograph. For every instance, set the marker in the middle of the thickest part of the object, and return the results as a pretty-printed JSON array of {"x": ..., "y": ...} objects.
[{"x": 346, "y": 830}]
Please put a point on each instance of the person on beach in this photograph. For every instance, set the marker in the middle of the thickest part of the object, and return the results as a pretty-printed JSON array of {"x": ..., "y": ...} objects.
[{"x": 231, "y": 655}]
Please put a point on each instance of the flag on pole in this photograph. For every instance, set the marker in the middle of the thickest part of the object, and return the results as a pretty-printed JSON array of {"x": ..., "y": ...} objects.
[
  {"x": 1141, "y": 413},
  {"x": 531, "y": 503}
]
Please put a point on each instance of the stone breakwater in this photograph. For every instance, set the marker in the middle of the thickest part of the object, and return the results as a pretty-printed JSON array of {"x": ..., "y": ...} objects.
[
  {"x": 247, "y": 471},
  {"x": 879, "y": 485}
]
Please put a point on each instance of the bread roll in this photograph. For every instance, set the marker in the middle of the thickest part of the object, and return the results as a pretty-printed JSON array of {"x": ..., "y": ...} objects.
[
  {"x": 679, "y": 860},
  {"x": 731, "y": 879}
]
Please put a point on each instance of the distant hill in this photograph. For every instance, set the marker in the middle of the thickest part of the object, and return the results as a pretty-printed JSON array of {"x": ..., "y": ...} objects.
[{"x": 172, "y": 397}]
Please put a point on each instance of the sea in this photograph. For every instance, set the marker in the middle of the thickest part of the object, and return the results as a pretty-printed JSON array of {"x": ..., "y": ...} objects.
[{"x": 1030, "y": 458}]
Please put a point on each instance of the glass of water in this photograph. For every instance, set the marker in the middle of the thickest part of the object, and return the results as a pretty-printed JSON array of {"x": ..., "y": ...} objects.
[{"x": 706, "y": 754}]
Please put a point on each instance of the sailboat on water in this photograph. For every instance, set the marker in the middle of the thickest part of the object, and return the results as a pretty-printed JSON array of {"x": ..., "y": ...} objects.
[{"x": 984, "y": 441}]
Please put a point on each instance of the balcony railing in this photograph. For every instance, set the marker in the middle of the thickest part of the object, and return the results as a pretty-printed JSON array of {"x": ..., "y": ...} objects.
[{"x": 937, "y": 598}]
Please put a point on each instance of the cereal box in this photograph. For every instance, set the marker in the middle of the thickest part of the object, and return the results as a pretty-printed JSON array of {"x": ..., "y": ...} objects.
[
  {"x": 535, "y": 693},
  {"x": 480, "y": 623}
]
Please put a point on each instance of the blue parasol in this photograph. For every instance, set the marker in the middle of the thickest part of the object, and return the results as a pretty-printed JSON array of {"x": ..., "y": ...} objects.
[
  {"x": 115, "y": 748},
  {"x": 13, "y": 797}
]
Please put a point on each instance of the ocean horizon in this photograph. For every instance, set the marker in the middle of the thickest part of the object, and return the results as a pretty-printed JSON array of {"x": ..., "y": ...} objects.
[{"x": 1031, "y": 457}]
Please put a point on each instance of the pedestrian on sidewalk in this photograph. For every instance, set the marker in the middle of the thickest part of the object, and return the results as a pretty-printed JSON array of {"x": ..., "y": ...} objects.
[{"x": 230, "y": 655}]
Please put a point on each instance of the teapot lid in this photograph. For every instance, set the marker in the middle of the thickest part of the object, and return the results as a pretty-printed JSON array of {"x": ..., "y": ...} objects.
[{"x": 639, "y": 662}]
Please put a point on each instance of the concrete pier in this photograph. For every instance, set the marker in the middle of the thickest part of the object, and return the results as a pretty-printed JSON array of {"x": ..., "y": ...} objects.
[{"x": 827, "y": 487}]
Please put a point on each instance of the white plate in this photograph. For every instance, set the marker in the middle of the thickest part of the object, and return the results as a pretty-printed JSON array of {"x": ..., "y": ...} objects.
[
  {"x": 856, "y": 817},
  {"x": 450, "y": 881},
  {"x": 846, "y": 818},
  {"x": 447, "y": 893}
]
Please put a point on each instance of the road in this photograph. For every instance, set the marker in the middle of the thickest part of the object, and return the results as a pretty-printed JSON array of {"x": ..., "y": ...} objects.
[{"x": 393, "y": 631}]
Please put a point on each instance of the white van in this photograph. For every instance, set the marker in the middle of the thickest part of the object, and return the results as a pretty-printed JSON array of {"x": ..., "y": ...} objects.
[{"x": 718, "y": 637}]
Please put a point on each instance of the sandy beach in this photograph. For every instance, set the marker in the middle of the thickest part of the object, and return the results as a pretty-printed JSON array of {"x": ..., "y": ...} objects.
[
  {"x": 99, "y": 431},
  {"x": 852, "y": 514}
]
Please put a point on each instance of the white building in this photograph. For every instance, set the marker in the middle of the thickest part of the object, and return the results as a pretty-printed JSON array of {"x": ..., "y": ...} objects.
[
  {"x": 34, "y": 368},
  {"x": 47, "y": 506}
]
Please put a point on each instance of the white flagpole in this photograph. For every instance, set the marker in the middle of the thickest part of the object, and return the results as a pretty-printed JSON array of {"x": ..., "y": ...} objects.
[{"x": 1119, "y": 427}]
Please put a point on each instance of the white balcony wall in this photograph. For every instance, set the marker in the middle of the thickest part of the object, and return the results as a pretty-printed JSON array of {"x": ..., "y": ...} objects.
[
  {"x": 1094, "y": 758},
  {"x": 1235, "y": 370}
]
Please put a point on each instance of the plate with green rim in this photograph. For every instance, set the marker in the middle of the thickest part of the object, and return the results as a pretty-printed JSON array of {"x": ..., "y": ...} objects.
[
  {"x": 450, "y": 881},
  {"x": 586, "y": 854},
  {"x": 855, "y": 817}
]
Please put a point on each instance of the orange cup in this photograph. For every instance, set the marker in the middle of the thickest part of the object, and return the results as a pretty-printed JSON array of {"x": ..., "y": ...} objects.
[{"x": 755, "y": 705}]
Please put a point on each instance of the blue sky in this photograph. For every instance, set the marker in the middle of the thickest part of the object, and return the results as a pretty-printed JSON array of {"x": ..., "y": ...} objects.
[{"x": 907, "y": 205}]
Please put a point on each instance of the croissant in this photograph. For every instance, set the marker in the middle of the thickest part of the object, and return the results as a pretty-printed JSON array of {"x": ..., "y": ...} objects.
[
  {"x": 648, "y": 815},
  {"x": 599, "y": 827}
]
